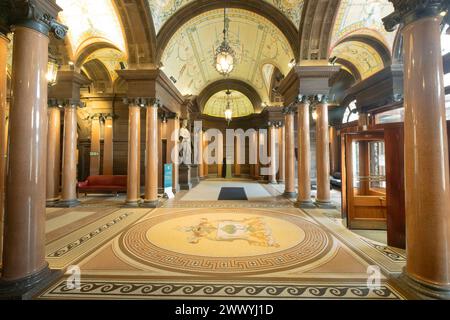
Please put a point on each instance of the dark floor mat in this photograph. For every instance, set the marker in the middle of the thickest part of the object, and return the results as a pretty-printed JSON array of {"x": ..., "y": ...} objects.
[{"x": 232, "y": 194}]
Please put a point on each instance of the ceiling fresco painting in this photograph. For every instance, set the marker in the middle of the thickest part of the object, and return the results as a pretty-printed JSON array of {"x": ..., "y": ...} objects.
[
  {"x": 111, "y": 58},
  {"x": 365, "y": 58},
  {"x": 91, "y": 21},
  {"x": 363, "y": 17},
  {"x": 162, "y": 10},
  {"x": 189, "y": 55},
  {"x": 240, "y": 104}
]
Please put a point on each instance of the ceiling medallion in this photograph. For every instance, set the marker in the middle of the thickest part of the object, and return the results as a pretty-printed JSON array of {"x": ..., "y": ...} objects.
[{"x": 224, "y": 56}]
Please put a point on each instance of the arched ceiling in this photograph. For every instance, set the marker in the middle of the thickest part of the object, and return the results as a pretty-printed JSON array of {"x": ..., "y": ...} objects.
[
  {"x": 189, "y": 55},
  {"x": 90, "y": 22},
  {"x": 111, "y": 59},
  {"x": 162, "y": 10},
  {"x": 239, "y": 102},
  {"x": 361, "y": 55},
  {"x": 362, "y": 17}
]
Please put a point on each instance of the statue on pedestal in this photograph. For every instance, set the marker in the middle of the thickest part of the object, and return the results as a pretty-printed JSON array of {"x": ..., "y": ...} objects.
[{"x": 185, "y": 144}]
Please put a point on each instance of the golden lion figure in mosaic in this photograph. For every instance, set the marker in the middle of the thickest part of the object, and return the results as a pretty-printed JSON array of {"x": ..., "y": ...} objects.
[{"x": 253, "y": 230}]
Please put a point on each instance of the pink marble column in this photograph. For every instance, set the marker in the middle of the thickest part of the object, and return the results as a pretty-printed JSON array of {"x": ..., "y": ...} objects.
[
  {"x": 95, "y": 147},
  {"x": 273, "y": 154},
  {"x": 108, "y": 159},
  {"x": 289, "y": 143},
  {"x": 304, "y": 154},
  {"x": 151, "y": 168},
  {"x": 427, "y": 186},
  {"x": 69, "y": 165},
  {"x": 133, "y": 192},
  {"x": 24, "y": 236},
  {"x": 3, "y": 137},
  {"x": 323, "y": 197},
  {"x": 53, "y": 153}
]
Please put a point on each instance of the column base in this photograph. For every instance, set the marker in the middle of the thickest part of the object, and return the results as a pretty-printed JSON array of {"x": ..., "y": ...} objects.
[
  {"x": 307, "y": 204},
  {"x": 273, "y": 182},
  {"x": 64, "y": 204},
  {"x": 28, "y": 287},
  {"x": 132, "y": 204},
  {"x": 325, "y": 204},
  {"x": 290, "y": 194},
  {"x": 424, "y": 290},
  {"x": 52, "y": 201},
  {"x": 150, "y": 204}
]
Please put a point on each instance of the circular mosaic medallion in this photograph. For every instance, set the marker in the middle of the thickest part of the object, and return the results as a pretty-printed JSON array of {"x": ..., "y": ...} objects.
[{"x": 225, "y": 242}]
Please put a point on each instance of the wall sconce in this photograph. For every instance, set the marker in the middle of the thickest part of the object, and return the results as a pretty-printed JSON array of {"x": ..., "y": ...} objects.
[
  {"x": 52, "y": 71},
  {"x": 315, "y": 115}
]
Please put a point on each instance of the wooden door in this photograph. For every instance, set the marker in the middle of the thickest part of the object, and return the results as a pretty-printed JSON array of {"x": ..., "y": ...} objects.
[{"x": 366, "y": 180}]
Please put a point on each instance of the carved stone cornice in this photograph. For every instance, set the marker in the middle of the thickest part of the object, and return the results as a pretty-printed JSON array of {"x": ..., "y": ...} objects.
[{"x": 407, "y": 11}]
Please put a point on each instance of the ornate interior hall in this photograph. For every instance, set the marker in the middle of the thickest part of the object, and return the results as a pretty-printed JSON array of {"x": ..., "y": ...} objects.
[{"x": 224, "y": 149}]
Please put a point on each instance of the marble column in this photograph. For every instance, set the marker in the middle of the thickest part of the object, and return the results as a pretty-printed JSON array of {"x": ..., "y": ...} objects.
[
  {"x": 427, "y": 188},
  {"x": 323, "y": 197},
  {"x": 95, "y": 147},
  {"x": 108, "y": 146},
  {"x": 205, "y": 163},
  {"x": 173, "y": 130},
  {"x": 151, "y": 159},
  {"x": 282, "y": 154},
  {"x": 237, "y": 155},
  {"x": 273, "y": 154},
  {"x": 219, "y": 155},
  {"x": 258, "y": 154},
  {"x": 289, "y": 143},
  {"x": 304, "y": 154},
  {"x": 201, "y": 166},
  {"x": 69, "y": 165},
  {"x": 53, "y": 153},
  {"x": 134, "y": 119},
  {"x": 24, "y": 264},
  {"x": 3, "y": 137}
]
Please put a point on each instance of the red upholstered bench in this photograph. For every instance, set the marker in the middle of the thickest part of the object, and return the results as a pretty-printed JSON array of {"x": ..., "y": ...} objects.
[{"x": 103, "y": 184}]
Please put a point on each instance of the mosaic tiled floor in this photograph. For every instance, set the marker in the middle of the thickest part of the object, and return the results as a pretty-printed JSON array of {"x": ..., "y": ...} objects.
[{"x": 234, "y": 251}]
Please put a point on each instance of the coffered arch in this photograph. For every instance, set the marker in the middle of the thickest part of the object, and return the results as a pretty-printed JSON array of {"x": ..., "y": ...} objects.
[
  {"x": 198, "y": 7},
  {"x": 99, "y": 74}
]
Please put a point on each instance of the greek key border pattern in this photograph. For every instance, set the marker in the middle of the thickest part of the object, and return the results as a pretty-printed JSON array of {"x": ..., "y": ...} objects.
[{"x": 387, "y": 251}]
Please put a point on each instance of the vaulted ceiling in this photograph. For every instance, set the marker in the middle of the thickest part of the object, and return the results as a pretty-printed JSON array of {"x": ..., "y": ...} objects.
[
  {"x": 266, "y": 34},
  {"x": 189, "y": 55},
  {"x": 162, "y": 10},
  {"x": 240, "y": 104}
]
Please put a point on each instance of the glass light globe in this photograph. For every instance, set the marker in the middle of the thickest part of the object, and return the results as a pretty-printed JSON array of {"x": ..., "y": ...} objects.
[
  {"x": 228, "y": 114},
  {"x": 224, "y": 62}
]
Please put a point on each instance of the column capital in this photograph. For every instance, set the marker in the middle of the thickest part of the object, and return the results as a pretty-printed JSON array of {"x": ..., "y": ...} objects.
[
  {"x": 65, "y": 103},
  {"x": 143, "y": 102},
  {"x": 290, "y": 109},
  {"x": 39, "y": 15},
  {"x": 320, "y": 99},
  {"x": 303, "y": 99},
  {"x": 408, "y": 11}
]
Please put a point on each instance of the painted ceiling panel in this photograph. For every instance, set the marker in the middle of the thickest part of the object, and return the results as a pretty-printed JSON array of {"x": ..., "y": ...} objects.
[
  {"x": 240, "y": 104},
  {"x": 111, "y": 58},
  {"x": 189, "y": 55},
  {"x": 365, "y": 58},
  {"x": 356, "y": 16},
  {"x": 162, "y": 10},
  {"x": 90, "y": 21}
]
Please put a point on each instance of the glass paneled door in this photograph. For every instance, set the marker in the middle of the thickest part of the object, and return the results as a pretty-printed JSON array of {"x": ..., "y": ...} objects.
[{"x": 366, "y": 181}]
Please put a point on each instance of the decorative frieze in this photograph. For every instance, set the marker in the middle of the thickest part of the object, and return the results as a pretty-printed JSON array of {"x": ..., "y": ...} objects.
[
  {"x": 407, "y": 11},
  {"x": 143, "y": 102}
]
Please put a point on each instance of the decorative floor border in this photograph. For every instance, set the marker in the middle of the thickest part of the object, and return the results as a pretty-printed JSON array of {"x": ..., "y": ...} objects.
[{"x": 120, "y": 289}]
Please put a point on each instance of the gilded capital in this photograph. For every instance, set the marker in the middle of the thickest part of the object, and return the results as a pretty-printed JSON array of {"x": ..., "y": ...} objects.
[{"x": 407, "y": 11}]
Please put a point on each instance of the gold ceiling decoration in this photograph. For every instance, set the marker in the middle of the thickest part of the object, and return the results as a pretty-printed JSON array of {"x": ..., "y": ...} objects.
[
  {"x": 364, "y": 57},
  {"x": 255, "y": 39},
  {"x": 162, "y": 10},
  {"x": 240, "y": 105},
  {"x": 363, "y": 17},
  {"x": 90, "y": 22}
]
